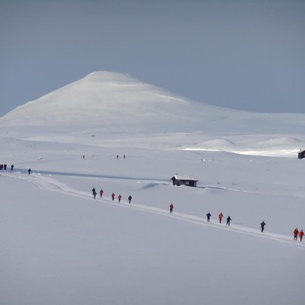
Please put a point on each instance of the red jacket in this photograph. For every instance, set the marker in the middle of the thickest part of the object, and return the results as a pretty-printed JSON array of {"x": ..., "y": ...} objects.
[{"x": 296, "y": 232}]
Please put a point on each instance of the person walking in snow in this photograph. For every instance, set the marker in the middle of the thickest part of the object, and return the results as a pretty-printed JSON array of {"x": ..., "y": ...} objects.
[
  {"x": 119, "y": 198},
  {"x": 171, "y": 208},
  {"x": 101, "y": 193},
  {"x": 228, "y": 221},
  {"x": 263, "y": 226},
  {"x": 220, "y": 216},
  {"x": 94, "y": 193},
  {"x": 209, "y": 216},
  {"x": 29, "y": 171},
  {"x": 12, "y": 167},
  {"x": 301, "y": 234},
  {"x": 113, "y": 195},
  {"x": 295, "y": 233},
  {"x": 129, "y": 199}
]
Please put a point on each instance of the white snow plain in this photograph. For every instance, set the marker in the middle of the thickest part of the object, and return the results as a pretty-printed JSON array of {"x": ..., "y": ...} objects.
[{"x": 60, "y": 246}]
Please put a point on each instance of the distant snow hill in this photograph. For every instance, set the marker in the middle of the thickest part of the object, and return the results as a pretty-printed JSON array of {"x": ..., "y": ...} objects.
[{"x": 114, "y": 103}]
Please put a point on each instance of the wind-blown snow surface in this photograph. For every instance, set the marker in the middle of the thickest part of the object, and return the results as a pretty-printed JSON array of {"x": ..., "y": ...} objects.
[{"x": 60, "y": 246}]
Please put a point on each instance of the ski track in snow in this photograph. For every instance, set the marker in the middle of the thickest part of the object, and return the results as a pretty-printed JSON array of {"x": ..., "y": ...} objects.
[{"x": 50, "y": 184}]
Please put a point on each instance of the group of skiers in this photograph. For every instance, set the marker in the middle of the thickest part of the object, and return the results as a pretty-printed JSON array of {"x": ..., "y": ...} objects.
[
  {"x": 4, "y": 167},
  {"x": 94, "y": 193},
  {"x": 296, "y": 233},
  {"x": 220, "y": 217},
  {"x": 117, "y": 156}
]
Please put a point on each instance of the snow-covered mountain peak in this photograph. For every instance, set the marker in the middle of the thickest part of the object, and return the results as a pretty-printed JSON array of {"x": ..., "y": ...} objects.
[
  {"x": 100, "y": 95},
  {"x": 108, "y": 76},
  {"x": 117, "y": 105}
]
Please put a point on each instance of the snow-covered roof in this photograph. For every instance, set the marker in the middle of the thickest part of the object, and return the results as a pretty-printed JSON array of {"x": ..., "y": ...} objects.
[{"x": 182, "y": 177}]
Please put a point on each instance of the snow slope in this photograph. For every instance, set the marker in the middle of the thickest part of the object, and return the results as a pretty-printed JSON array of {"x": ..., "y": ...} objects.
[
  {"x": 60, "y": 246},
  {"x": 106, "y": 103}
]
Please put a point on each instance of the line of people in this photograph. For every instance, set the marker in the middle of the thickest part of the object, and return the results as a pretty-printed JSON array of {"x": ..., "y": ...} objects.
[
  {"x": 4, "y": 167},
  {"x": 220, "y": 217},
  {"x": 296, "y": 232},
  {"x": 94, "y": 193}
]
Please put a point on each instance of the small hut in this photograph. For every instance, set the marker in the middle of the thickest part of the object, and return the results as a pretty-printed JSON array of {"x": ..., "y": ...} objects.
[
  {"x": 184, "y": 180},
  {"x": 301, "y": 154}
]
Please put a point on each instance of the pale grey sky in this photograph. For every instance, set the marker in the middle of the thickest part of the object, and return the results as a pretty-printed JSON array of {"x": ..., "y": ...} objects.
[{"x": 241, "y": 54}]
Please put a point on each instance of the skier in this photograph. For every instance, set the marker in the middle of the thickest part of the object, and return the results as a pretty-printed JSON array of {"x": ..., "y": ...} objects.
[
  {"x": 12, "y": 167},
  {"x": 101, "y": 193},
  {"x": 171, "y": 207},
  {"x": 113, "y": 195},
  {"x": 263, "y": 226},
  {"x": 119, "y": 198},
  {"x": 94, "y": 193},
  {"x": 29, "y": 171},
  {"x": 301, "y": 235},
  {"x": 295, "y": 233},
  {"x": 220, "y": 217},
  {"x": 129, "y": 199},
  {"x": 209, "y": 216},
  {"x": 228, "y": 221}
]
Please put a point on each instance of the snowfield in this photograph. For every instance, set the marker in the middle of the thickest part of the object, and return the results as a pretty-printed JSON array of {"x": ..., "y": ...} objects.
[{"x": 60, "y": 246}]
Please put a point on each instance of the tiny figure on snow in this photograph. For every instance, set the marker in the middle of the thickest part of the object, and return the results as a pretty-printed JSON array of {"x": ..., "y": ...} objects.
[
  {"x": 94, "y": 193},
  {"x": 119, "y": 198},
  {"x": 263, "y": 226},
  {"x": 101, "y": 193},
  {"x": 301, "y": 235},
  {"x": 12, "y": 167},
  {"x": 209, "y": 216},
  {"x": 4, "y": 166},
  {"x": 220, "y": 216},
  {"x": 228, "y": 221},
  {"x": 171, "y": 208},
  {"x": 83, "y": 156},
  {"x": 129, "y": 199},
  {"x": 295, "y": 233},
  {"x": 112, "y": 196},
  {"x": 124, "y": 156},
  {"x": 117, "y": 156},
  {"x": 29, "y": 171}
]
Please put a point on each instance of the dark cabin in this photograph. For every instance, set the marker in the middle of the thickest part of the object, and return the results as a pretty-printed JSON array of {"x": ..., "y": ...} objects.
[
  {"x": 301, "y": 154},
  {"x": 184, "y": 180}
]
